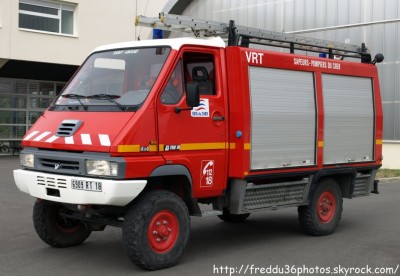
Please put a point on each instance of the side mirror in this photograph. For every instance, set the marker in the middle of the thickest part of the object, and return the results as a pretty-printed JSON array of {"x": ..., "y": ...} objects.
[
  {"x": 378, "y": 58},
  {"x": 192, "y": 94}
]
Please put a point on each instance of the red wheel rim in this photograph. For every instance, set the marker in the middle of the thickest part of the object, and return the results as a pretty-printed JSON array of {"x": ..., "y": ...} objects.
[
  {"x": 163, "y": 231},
  {"x": 326, "y": 207},
  {"x": 68, "y": 230},
  {"x": 66, "y": 225}
]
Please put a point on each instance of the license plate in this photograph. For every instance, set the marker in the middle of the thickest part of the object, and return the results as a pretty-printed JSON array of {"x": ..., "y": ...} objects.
[{"x": 94, "y": 186}]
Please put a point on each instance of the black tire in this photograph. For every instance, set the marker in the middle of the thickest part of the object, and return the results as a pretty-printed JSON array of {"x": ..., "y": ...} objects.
[
  {"x": 156, "y": 215},
  {"x": 5, "y": 149},
  {"x": 55, "y": 230},
  {"x": 322, "y": 215},
  {"x": 228, "y": 217}
]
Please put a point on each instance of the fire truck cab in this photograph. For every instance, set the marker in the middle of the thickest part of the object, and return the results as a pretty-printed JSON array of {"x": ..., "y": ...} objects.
[{"x": 147, "y": 130}]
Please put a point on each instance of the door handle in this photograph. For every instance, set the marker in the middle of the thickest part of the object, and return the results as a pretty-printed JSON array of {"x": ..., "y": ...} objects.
[{"x": 218, "y": 118}]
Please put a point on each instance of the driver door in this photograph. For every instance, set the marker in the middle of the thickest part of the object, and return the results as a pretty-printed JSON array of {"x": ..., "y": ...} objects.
[{"x": 196, "y": 139}]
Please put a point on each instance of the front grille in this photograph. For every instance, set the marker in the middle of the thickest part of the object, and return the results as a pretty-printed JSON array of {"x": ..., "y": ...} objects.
[
  {"x": 52, "y": 182},
  {"x": 60, "y": 164}
]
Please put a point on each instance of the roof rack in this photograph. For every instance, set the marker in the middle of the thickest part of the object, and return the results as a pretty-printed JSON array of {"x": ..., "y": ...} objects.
[{"x": 243, "y": 36}]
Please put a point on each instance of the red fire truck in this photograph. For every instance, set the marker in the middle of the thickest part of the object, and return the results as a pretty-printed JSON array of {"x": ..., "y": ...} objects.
[{"x": 147, "y": 130}]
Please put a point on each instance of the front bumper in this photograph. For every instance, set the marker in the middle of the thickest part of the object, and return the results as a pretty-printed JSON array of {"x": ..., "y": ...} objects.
[{"x": 114, "y": 192}]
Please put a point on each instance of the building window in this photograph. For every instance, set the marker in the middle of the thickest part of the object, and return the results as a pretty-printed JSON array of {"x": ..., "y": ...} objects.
[
  {"x": 46, "y": 16},
  {"x": 22, "y": 103}
]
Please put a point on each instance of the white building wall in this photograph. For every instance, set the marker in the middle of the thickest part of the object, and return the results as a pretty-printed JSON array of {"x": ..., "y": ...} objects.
[
  {"x": 391, "y": 155},
  {"x": 5, "y": 18},
  {"x": 97, "y": 22}
]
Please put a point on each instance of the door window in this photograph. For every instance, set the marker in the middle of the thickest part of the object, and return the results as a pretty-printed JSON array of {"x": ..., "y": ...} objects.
[
  {"x": 173, "y": 92},
  {"x": 199, "y": 68}
]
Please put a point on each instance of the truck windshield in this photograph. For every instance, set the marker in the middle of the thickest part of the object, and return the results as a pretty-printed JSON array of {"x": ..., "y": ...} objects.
[{"x": 117, "y": 80}]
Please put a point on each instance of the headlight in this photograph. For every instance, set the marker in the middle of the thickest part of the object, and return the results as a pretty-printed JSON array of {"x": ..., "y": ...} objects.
[
  {"x": 101, "y": 167},
  {"x": 27, "y": 160}
]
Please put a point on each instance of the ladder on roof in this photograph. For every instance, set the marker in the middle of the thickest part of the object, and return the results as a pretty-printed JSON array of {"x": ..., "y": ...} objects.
[{"x": 243, "y": 36}]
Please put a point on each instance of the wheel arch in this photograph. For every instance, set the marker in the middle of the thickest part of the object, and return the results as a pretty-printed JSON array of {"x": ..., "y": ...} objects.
[
  {"x": 176, "y": 179},
  {"x": 344, "y": 178}
]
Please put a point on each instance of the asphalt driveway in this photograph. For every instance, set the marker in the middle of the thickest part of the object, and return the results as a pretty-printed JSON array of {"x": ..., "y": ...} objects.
[{"x": 368, "y": 236}]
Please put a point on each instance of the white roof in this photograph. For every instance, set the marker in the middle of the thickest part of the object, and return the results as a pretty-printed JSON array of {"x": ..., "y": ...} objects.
[{"x": 175, "y": 43}]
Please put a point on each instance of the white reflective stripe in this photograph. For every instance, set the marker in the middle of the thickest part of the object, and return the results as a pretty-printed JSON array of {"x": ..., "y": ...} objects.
[
  {"x": 69, "y": 140},
  {"x": 52, "y": 139},
  {"x": 86, "y": 139},
  {"x": 104, "y": 140},
  {"x": 41, "y": 136},
  {"x": 33, "y": 133}
]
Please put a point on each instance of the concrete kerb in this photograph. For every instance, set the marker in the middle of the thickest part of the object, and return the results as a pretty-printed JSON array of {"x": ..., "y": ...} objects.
[{"x": 389, "y": 180}]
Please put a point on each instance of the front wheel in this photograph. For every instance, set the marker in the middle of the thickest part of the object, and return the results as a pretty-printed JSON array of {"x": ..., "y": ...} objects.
[
  {"x": 5, "y": 149},
  {"x": 324, "y": 212},
  {"x": 156, "y": 230},
  {"x": 56, "y": 230}
]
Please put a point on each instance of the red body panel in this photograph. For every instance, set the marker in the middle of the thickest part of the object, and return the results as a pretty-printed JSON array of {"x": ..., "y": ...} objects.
[
  {"x": 239, "y": 59},
  {"x": 145, "y": 138},
  {"x": 94, "y": 123}
]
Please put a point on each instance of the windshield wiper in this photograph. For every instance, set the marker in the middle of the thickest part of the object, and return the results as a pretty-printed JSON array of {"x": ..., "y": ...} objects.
[
  {"x": 76, "y": 96},
  {"x": 109, "y": 98}
]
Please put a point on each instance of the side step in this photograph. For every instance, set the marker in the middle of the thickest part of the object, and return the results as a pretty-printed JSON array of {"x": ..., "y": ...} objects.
[
  {"x": 245, "y": 197},
  {"x": 204, "y": 211},
  {"x": 209, "y": 213},
  {"x": 274, "y": 195}
]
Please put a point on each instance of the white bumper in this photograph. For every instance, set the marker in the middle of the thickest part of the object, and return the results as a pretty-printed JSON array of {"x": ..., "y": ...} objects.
[{"x": 114, "y": 192}]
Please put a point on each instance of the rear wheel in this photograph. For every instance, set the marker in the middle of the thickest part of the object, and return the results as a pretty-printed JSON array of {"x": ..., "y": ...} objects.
[
  {"x": 56, "y": 230},
  {"x": 156, "y": 230},
  {"x": 228, "y": 217},
  {"x": 324, "y": 212}
]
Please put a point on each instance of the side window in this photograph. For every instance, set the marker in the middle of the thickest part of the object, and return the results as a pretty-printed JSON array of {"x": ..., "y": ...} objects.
[
  {"x": 174, "y": 90},
  {"x": 199, "y": 67}
]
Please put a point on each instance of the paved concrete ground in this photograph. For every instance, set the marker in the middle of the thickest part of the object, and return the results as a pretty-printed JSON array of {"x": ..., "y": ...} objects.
[{"x": 369, "y": 234}]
